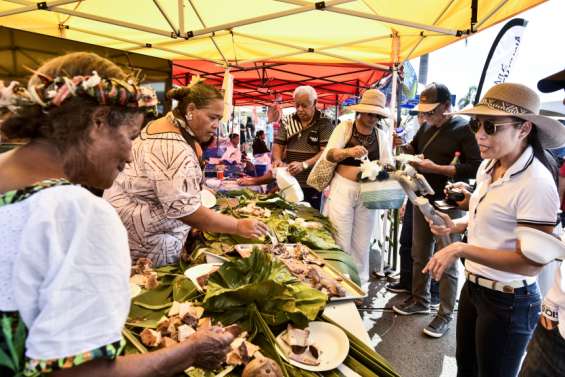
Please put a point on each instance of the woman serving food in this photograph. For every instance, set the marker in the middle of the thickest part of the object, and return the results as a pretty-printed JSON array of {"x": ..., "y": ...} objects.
[{"x": 157, "y": 195}]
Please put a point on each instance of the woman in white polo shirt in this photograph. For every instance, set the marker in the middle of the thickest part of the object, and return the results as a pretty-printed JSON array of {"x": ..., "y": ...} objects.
[{"x": 500, "y": 301}]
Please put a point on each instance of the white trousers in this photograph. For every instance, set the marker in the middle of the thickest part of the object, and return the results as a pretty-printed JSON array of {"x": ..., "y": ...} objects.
[{"x": 353, "y": 222}]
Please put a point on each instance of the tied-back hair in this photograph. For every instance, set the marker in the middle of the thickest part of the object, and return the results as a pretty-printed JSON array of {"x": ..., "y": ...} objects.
[
  {"x": 200, "y": 94},
  {"x": 543, "y": 155}
]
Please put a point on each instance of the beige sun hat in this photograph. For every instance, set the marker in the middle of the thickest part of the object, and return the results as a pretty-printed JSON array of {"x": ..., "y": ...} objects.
[
  {"x": 519, "y": 101},
  {"x": 373, "y": 102}
]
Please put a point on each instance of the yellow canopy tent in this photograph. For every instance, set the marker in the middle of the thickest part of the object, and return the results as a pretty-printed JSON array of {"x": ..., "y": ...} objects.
[{"x": 243, "y": 33}]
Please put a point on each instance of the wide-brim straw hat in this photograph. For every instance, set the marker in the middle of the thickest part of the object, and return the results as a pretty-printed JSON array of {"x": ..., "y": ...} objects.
[
  {"x": 519, "y": 101},
  {"x": 372, "y": 102}
]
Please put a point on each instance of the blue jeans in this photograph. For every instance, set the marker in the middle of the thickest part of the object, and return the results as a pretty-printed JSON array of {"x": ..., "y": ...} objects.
[
  {"x": 546, "y": 354},
  {"x": 493, "y": 329}
]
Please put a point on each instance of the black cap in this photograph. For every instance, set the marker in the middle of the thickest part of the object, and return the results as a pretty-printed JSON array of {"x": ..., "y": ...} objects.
[
  {"x": 552, "y": 83},
  {"x": 433, "y": 95}
]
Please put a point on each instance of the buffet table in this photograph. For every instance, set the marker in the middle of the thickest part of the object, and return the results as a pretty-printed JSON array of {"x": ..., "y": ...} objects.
[{"x": 293, "y": 226}]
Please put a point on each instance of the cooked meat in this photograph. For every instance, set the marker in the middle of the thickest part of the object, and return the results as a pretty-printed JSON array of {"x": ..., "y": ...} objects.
[
  {"x": 168, "y": 342},
  {"x": 184, "y": 331},
  {"x": 150, "y": 338},
  {"x": 296, "y": 337},
  {"x": 304, "y": 358},
  {"x": 296, "y": 267}
]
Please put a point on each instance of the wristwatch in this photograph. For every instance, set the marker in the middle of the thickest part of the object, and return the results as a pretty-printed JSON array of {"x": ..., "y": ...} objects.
[{"x": 305, "y": 165}]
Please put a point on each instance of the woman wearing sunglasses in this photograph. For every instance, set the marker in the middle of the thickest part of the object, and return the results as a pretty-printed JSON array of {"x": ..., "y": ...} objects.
[{"x": 500, "y": 301}]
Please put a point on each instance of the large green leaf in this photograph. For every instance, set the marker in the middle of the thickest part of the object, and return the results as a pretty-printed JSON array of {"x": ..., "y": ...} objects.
[
  {"x": 265, "y": 283},
  {"x": 341, "y": 262},
  {"x": 184, "y": 289}
]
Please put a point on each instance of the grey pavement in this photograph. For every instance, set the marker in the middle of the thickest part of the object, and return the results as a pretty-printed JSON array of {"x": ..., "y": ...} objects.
[{"x": 400, "y": 339}]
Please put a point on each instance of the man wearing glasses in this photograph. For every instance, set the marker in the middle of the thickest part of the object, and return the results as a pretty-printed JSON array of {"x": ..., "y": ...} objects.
[
  {"x": 441, "y": 138},
  {"x": 301, "y": 139}
]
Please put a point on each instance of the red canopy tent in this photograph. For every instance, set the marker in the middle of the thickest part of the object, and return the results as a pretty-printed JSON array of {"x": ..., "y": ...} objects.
[{"x": 266, "y": 82}]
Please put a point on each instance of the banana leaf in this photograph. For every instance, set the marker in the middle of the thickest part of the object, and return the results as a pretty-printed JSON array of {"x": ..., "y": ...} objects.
[
  {"x": 342, "y": 262},
  {"x": 143, "y": 317},
  {"x": 265, "y": 283},
  {"x": 316, "y": 239},
  {"x": 363, "y": 359}
]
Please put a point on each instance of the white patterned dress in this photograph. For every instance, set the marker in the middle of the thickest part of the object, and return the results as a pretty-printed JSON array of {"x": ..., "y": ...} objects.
[{"x": 161, "y": 185}]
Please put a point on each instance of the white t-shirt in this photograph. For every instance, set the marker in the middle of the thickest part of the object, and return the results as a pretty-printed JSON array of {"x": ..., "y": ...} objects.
[
  {"x": 64, "y": 266},
  {"x": 526, "y": 194},
  {"x": 232, "y": 154}
]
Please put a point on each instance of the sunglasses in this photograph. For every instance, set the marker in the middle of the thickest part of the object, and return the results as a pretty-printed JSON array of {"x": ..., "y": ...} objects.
[{"x": 488, "y": 125}]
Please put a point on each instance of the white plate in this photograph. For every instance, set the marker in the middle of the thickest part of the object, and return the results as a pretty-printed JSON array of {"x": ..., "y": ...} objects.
[
  {"x": 208, "y": 198},
  {"x": 213, "y": 183},
  {"x": 193, "y": 273},
  {"x": 134, "y": 289},
  {"x": 331, "y": 342},
  {"x": 539, "y": 246}
]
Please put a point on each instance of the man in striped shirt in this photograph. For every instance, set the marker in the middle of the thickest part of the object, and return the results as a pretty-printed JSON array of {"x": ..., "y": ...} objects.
[{"x": 301, "y": 139}]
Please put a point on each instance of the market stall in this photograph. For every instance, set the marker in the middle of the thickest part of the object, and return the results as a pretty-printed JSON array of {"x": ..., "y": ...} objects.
[{"x": 296, "y": 278}]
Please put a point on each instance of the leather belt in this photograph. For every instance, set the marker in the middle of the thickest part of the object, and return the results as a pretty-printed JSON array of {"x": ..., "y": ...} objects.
[{"x": 506, "y": 287}]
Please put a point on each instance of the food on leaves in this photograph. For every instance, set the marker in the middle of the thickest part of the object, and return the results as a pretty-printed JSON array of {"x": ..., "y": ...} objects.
[
  {"x": 184, "y": 331},
  {"x": 150, "y": 338},
  {"x": 299, "y": 347},
  {"x": 262, "y": 367},
  {"x": 143, "y": 275}
]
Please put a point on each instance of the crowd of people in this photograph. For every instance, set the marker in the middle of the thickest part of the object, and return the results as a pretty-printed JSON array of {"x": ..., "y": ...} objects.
[{"x": 66, "y": 253}]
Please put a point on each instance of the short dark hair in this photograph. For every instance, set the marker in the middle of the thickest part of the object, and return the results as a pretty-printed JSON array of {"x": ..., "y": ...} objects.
[
  {"x": 233, "y": 136},
  {"x": 259, "y": 133}
]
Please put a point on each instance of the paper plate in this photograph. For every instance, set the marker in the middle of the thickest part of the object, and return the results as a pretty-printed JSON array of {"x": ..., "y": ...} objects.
[
  {"x": 331, "y": 341},
  {"x": 193, "y": 273},
  {"x": 539, "y": 246},
  {"x": 213, "y": 183},
  {"x": 207, "y": 198},
  {"x": 134, "y": 289}
]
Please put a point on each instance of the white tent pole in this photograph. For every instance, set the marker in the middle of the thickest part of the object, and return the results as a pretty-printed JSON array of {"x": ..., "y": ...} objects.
[
  {"x": 180, "y": 41},
  {"x": 107, "y": 20},
  {"x": 376, "y": 17},
  {"x": 156, "y": 2},
  {"x": 311, "y": 50},
  {"x": 422, "y": 37},
  {"x": 31, "y": 7},
  {"x": 395, "y": 21},
  {"x": 491, "y": 13},
  {"x": 381, "y": 67},
  {"x": 142, "y": 45},
  {"x": 182, "y": 30},
  {"x": 211, "y": 37},
  {"x": 230, "y": 25}
]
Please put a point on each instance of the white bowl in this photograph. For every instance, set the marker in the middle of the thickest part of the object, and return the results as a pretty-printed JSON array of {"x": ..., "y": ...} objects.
[{"x": 539, "y": 246}]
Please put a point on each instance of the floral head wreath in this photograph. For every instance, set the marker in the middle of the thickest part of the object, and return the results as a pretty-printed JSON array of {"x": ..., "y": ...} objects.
[{"x": 53, "y": 92}]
